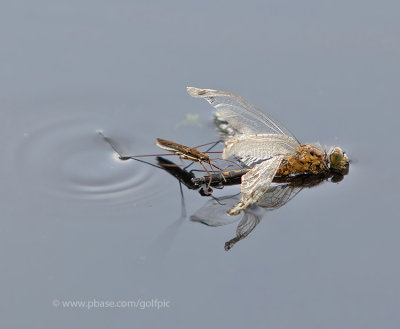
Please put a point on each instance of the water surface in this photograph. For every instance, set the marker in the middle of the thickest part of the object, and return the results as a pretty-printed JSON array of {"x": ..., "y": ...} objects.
[{"x": 78, "y": 224}]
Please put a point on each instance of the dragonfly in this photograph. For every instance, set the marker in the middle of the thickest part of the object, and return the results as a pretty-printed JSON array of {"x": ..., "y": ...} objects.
[
  {"x": 233, "y": 177},
  {"x": 265, "y": 146}
]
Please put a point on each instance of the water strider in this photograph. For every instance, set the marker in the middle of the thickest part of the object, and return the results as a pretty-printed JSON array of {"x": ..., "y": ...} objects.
[
  {"x": 265, "y": 146},
  {"x": 188, "y": 153},
  {"x": 184, "y": 152}
]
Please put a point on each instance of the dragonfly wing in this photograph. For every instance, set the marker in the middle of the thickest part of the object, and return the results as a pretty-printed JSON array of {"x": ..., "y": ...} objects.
[
  {"x": 255, "y": 183},
  {"x": 278, "y": 195},
  {"x": 214, "y": 214},
  {"x": 255, "y": 148},
  {"x": 246, "y": 226},
  {"x": 225, "y": 130},
  {"x": 241, "y": 117}
]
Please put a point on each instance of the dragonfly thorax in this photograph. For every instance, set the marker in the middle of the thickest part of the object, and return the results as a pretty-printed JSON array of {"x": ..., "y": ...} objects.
[{"x": 307, "y": 160}]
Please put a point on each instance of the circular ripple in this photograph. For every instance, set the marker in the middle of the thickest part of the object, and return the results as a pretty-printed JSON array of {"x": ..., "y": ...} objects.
[{"x": 72, "y": 159}]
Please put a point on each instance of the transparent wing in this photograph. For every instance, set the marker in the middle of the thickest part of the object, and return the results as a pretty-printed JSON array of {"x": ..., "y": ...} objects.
[
  {"x": 248, "y": 223},
  {"x": 240, "y": 116},
  {"x": 278, "y": 195},
  {"x": 255, "y": 183},
  {"x": 224, "y": 129},
  {"x": 213, "y": 213},
  {"x": 275, "y": 197},
  {"x": 250, "y": 149}
]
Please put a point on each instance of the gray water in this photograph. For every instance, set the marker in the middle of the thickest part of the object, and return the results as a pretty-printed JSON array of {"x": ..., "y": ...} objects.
[{"x": 77, "y": 224}]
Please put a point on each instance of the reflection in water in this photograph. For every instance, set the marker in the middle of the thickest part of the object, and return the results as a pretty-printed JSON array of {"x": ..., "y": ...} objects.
[{"x": 214, "y": 212}]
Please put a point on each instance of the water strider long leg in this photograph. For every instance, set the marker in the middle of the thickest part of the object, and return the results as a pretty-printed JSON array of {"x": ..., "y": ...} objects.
[
  {"x": 135, "y": 157},
  {"x": 208, "y": 188},
  {"x": 233, "y": 162},
  {"x": 217, "y": 200},
  {"x": 183, "y": 205},
  {"x": 146, "y": 162},
  {"x": 210, "y": 148},
  {"x": 220, "y": 169},
  {"x": 214, "y": 144},
  {"x": 210, "y": 179},
  {"x": 185, "y": 177},
  {"x": 121, "y": 157},
  {"x": 109, "y": 142},
  {"x": 208, "y": 173}
]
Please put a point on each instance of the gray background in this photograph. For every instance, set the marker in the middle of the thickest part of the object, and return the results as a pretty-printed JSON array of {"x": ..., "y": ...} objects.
[{"x": 76, "y": 224}]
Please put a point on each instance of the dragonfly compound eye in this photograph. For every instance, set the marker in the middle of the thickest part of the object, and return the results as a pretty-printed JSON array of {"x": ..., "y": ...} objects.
[{"x": 337, "y": 157}]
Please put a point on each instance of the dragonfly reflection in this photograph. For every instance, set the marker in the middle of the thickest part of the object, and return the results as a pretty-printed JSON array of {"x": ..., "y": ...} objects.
[{"x": 214, "y": 212}]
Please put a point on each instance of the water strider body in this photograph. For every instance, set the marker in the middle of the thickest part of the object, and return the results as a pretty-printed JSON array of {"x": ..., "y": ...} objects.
[
  {"x": 265, "y": 146},
  {"x": 184, "y": 152},
  {"x": 188, "y": 153}
]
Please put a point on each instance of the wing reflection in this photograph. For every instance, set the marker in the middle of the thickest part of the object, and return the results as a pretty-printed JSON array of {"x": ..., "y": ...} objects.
[{"x": 214, "y": 212}]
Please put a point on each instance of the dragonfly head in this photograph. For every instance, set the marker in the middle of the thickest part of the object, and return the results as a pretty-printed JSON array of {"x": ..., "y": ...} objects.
[{"x": 339, "y": 161}]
